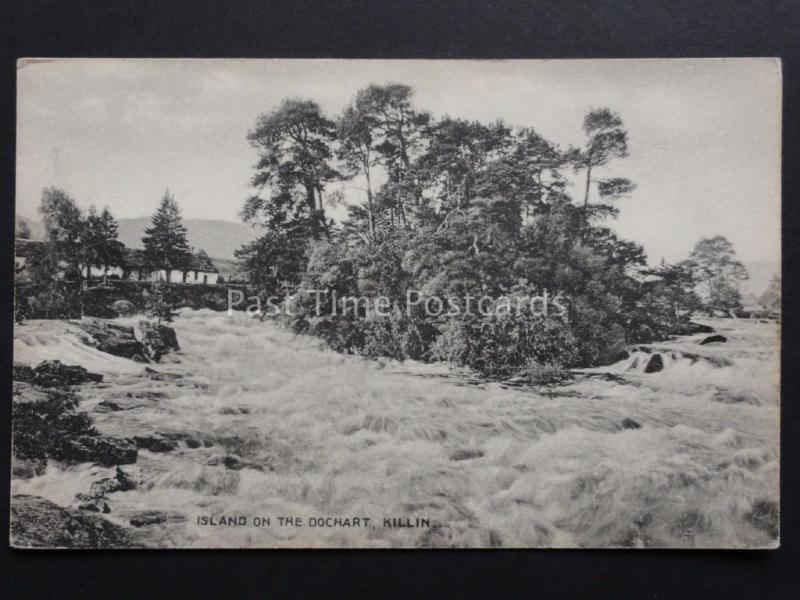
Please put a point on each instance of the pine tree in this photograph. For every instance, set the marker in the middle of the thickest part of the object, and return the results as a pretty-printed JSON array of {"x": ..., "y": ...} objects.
[
  {"x": 165, "y": 243},
  {"x": 102, "y": 248}
]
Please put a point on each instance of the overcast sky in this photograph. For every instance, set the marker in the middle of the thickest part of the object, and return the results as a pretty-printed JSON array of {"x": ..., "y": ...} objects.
[{"x": 704, "y": 135}]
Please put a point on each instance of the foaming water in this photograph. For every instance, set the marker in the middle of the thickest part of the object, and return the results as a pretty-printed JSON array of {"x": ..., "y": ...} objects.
[{"x": 270, "y": 424}]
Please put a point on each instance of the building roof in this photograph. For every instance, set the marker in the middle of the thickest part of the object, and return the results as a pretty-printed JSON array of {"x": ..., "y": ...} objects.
[
  {"x": 201, "y": 262},
  {"x": 134, "y": 259}
]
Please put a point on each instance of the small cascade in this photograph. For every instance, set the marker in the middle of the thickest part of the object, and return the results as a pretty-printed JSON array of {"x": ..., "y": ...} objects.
[{"x": 646, "y": 360}]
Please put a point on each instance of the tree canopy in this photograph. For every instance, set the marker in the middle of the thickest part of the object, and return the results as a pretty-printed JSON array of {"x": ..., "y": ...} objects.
[
  {"x": 452, "y": 208},
  {"x": 718, "y": 273}
]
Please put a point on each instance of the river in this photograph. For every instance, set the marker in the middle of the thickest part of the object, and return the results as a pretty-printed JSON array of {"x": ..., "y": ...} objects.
[{"x": 272, "y": 427}]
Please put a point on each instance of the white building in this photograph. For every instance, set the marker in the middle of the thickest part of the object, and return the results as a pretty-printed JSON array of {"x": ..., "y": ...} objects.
[{"x": 201, "y": 271}]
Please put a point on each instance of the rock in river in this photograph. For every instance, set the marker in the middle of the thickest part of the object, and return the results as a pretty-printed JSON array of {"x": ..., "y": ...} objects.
[
  {"x": 121, "y": 482},
  {"x": 54, "y": 373},
  {"x": 103, "y": 450},
  {"x": 39, "y": 523},
  {"x": 147, "y": 342},
  {"x": 713, "y": 339},
  {"x": 110, "y": 337},
  {"x": 155, "y": 443},
  {"x": 655, "y": 364},
  {"x": 156, "y": 339}
]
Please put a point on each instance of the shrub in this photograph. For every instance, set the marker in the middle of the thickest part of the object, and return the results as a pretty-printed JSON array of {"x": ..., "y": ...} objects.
[
  {"x": 536, "y": 373},
  {"x": 159, "y": 302},
  {"x": 499, "y": 345},
  {"x": 124, "y": 308}
]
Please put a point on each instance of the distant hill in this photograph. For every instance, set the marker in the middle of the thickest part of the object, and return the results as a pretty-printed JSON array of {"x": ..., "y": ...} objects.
[{"x": 219, "y": 239}]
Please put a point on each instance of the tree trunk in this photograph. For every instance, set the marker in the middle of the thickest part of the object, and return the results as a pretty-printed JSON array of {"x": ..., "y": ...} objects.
[
  {"x": 586, "y": 193},
  {"x": 586, "y": 200},
  {"x": 370, "y": 209},
  {"x": 311, "y": 201}
]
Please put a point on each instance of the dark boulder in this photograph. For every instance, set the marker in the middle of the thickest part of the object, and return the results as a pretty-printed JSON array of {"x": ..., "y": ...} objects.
[
  {"x": 466, "y": 454},
  {"x": 39, "y": 523},
  {"x": 233, "y": 462},
  {"x": 155, "y": 443},
  {"x": 107, "y": 406},
  {"x": 126, "y": 483},
  {"x": 236, "y": 463},
  {"x": 23, "y": 373},
  {"x": 692, "y": 328},
  {"x": 158, "y": 375},
  {"x": 147, "y": 395},
  {"x": 103, "y": 450},
  {"x": 27, "y": 468},
  {"x": 121, "y": 482},
  {"x": 126, "y": 402},
  {"x": 698, "y": 328},
  {"x": 713, "y": 339},
  {"x": 54, "y": 373},
  {"x": 655, "y": 364},
  {"x": 628, "y": 423},
  {"x": 156, "y": 339},
  {"x": 92, "y": 503},
  {"x": 168, "y": 337},
  {"x": 110, "y": 337}
]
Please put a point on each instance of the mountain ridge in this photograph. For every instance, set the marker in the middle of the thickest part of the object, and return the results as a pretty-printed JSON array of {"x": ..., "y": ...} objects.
[{"x": 218, "y": 238}]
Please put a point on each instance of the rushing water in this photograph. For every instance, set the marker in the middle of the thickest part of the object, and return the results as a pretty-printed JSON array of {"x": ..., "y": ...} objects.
[{"x": 281, "y": 427}]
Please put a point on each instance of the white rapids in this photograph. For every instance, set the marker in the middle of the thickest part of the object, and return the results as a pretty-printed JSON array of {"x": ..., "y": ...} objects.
[{"x": 487, "y": 464}]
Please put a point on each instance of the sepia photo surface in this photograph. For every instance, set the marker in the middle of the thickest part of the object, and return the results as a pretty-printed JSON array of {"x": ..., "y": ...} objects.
[{"x": 397, "y": 304}]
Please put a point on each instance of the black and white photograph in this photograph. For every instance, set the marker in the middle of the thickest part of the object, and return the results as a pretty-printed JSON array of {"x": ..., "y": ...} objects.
[{"x": 339, "y": 303}]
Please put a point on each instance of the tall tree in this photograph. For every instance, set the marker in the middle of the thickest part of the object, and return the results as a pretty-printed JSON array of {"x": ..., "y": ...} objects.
[
  {"x": 294, "y": 145},
  {"x": 101, "y": 247},
  {"x": 718, "y": 271},
  {"x": 64, "y": 229},
  {"x": 396, "y": 129},
  {"x": 356, "y": 150},
  {"x": 165, "y": 243},
  {"x": 606, "y": 138}
]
